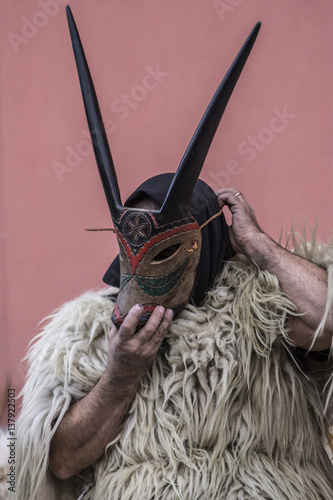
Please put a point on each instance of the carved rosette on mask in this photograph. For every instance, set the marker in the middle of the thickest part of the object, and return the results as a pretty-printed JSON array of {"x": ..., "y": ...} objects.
[{"x": 159, "y": 250}]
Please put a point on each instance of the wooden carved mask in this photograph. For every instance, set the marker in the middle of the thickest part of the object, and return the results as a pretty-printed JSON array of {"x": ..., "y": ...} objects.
[{"x": 159, "y": 249}]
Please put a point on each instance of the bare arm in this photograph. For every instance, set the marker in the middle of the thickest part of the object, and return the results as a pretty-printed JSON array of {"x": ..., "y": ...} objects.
[
  {"x": 91, "y": 423},
  {"x": 302, "y": 281}
]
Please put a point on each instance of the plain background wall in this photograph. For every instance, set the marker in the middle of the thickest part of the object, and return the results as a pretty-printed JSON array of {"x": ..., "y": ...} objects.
[{"x": 50, "y": 189}]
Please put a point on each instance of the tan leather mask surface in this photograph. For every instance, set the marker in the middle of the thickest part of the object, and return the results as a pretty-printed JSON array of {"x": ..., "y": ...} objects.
[{"x": 163, "y": 275}]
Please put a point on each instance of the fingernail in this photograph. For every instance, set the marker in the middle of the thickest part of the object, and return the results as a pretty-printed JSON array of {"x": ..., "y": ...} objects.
[
  {"x": 139, "y": 306},
  {"x": 170, "y": 313},
  {"x": 161, "y": 309}
]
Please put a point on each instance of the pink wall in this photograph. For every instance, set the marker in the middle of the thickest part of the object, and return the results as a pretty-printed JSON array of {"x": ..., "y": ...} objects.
[{"x": 50, "y": 194}]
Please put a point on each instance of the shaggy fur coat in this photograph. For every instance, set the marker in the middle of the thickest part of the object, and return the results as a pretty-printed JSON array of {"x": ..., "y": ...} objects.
[{"x": 226, "y": 414}]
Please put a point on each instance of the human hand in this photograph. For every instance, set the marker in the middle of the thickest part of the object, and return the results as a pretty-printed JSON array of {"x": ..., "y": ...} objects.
[
  {"x": 132, "y": 354},
  {"x": 244, "y": 230}
]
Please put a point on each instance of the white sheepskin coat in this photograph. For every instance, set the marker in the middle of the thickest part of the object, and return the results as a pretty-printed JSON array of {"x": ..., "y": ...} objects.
[{"x": 227, "y": 414}]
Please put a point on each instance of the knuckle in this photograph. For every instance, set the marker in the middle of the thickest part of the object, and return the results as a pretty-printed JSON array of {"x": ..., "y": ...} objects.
[
  {"x": 125, "y": 329},
  {"x": 150, "y": 329},
  {"x": 164, "y": 327},
  {"x": 158, "y": 340},
  {"x": 146, "y": 352},
  {"x": 161, "y": 332}
]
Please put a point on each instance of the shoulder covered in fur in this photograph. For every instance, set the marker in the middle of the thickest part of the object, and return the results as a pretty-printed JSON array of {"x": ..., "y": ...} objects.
[{"x": 60, "y": 373}]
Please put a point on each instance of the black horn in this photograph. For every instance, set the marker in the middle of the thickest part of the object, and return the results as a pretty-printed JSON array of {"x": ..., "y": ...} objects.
[
  {"x": 191, "y": 164},
  {"x": 95, "y": 123}
]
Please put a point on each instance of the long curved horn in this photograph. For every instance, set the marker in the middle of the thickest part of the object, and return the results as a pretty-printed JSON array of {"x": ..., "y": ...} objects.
[
  {"x": 95, "y": 123},
  {"x": 190, "y": 167}
]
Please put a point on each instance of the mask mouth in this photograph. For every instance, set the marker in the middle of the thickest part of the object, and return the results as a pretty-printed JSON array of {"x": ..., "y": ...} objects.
[{"x": 117, "y": 319}]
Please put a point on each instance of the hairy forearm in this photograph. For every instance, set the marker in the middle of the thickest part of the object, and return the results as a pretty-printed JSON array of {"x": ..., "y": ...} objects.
[
  {"x": 304, "y": 282},
  {"x": 94, "y": 421},
  {"x": 89, "y": 425}
]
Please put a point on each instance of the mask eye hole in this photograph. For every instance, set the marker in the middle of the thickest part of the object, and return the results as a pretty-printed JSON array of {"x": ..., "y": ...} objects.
[{"x": 167, "y": 253}]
